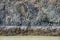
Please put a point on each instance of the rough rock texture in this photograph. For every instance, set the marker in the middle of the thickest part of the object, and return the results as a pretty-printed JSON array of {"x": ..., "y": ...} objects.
[{"x": 30, "y": 12}]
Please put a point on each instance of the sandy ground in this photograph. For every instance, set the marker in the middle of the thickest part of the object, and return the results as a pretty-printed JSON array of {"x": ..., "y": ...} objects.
[{"x": 29, "y": 38}]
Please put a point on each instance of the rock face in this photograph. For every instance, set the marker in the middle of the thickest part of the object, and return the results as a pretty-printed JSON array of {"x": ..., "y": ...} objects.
[{"x": 30, "y": 12}]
